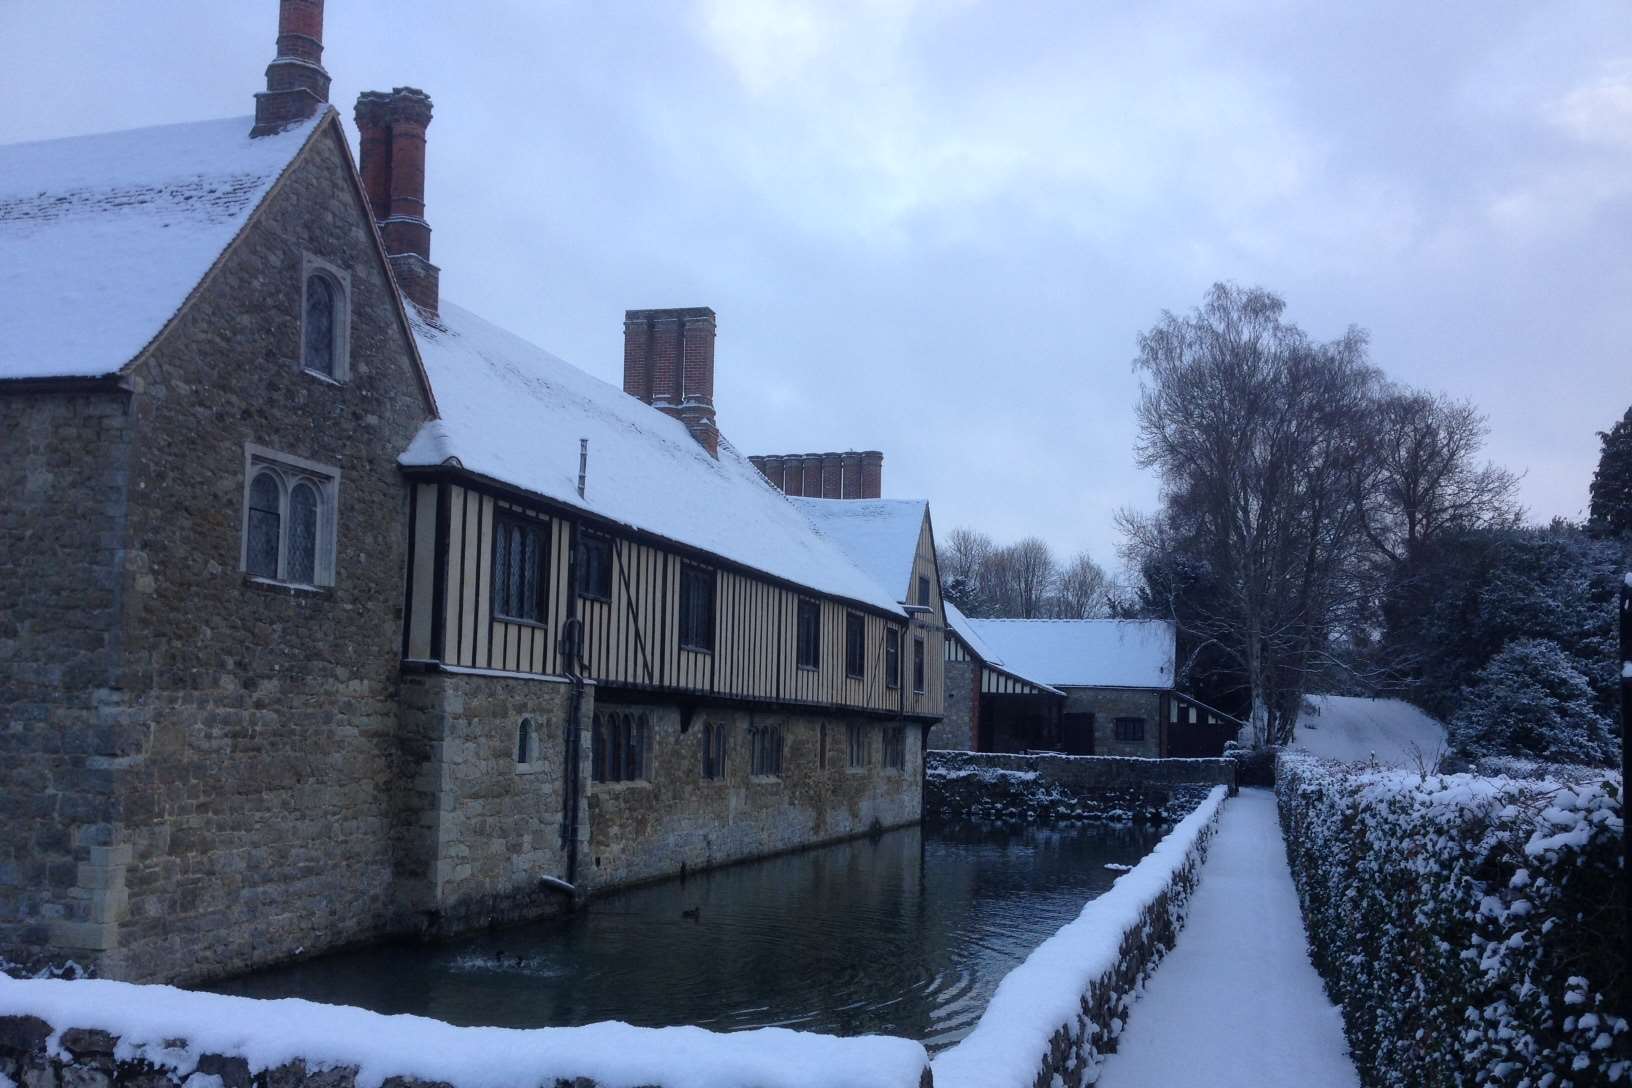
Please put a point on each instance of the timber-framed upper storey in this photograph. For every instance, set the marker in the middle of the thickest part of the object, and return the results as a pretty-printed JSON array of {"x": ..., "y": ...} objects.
[{"x": 631, "y": 637}]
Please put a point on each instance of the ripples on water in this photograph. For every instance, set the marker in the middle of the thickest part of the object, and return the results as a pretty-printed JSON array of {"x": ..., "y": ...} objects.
[{"x": 906, "y": 934}]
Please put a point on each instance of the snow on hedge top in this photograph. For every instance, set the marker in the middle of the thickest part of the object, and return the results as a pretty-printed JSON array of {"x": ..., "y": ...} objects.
[
  {"x": 102, "y": 238},
  {"x": 1352, "y": 729},
  {"x": 1084, "y": 653},
  {"x": 879, "y": 535},
  {"x": 513, "y": 412},
  {"x": 271, "y": 1033}
]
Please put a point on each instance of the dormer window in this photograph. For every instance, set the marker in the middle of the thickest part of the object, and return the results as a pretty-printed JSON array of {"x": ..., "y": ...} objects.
[{"x": 325, "y": 321}]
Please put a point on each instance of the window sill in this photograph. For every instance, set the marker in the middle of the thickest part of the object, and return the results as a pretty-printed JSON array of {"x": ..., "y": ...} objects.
[
  {"x": 529, "y": 768},
  {"x": 863, "y": 769},
  {"x": 292, "y": 589},
  {"x": 810, "y": 668},
  {"x": 766, "y": 779},
  {"x": 618, "y": 787},
  {"x": 598, "y": 598},
  {"x": 697, "y": 649},
  {"x": 855, "y": 676},
  {"x": 326, "y": 379},
  {"x": 521, "y": 623}
]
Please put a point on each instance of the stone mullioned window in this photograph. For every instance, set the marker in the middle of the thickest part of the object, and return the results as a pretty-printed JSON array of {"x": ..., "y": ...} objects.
[{"x": 290, "y": 511}]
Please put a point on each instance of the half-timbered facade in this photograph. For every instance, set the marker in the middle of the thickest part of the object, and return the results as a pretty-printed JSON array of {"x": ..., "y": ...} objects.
[{"x": 333, "y": 611}]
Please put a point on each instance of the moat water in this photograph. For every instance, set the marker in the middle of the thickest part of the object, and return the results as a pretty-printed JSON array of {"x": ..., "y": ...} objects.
[{"x": 907, "y": 933}]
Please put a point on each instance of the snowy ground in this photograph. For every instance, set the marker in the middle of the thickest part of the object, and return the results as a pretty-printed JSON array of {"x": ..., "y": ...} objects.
[
  {"x": 1236, "y": 1004},
  {"x": 1351, "y": 728}
]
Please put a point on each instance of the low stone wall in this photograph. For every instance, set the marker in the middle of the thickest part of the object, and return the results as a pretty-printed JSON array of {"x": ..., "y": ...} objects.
[
  {"x": 1055, "y": 1017},
  {"x": 1001, "y": 786},
  {"x": 93, "y": 1033}
]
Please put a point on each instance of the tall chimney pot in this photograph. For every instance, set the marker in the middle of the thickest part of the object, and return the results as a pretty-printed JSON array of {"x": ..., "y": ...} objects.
[
  {"x": 297, "y": 86},
  {"x": 668, "y": 362},
  {"x": 391, "y": 159}
]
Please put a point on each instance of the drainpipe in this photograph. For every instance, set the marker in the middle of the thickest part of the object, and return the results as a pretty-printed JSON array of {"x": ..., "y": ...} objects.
[{"x": 570, "y": 642}]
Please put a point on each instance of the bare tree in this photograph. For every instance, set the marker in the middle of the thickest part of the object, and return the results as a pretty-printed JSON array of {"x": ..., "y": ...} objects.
[
  {"x": 1260, "y": 438},
  {"x": 965, "y": 552},
  {"x": 1083, "y": 590},
  {"x": 1031, "y": 571},
  {"x": 1427, "y": 480}
]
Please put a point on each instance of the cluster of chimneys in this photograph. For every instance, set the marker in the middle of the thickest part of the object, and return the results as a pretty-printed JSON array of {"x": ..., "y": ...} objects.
[
  {"x": 848, "y": 475},
  {"x": 668, "y": 355},
  {"x": 391, "y": 152}
]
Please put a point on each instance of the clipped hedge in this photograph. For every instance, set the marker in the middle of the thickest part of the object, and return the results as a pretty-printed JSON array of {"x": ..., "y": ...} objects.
[{"x": 1473, "y": 929}]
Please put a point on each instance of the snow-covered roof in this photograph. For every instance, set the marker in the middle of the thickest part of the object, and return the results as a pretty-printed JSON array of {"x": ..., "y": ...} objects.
[
  {"x": 1084, "y": 653},
  {"x": 102, "y": 238},
  {"x": 513, "y": 412},
  {"x": 963, "y": 628},
  {"x": 879, "y": 535}
]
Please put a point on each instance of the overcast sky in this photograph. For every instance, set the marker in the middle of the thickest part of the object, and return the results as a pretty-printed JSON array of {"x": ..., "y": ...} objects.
[{"x": 937, "y": 229}]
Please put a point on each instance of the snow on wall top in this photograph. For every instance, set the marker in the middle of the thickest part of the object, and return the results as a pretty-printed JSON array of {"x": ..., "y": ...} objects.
[
  {"x": 1084, "y": 653},
  {"x": 879, "y": 535},
  {"x": 268, "y": 1034},
  {"x": 513, "y": 412},
  {"x": 102, "y": 238}
]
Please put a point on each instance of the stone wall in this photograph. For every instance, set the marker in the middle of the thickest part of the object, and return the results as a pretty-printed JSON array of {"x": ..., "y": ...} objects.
[
  {"x": 259, "y": 817},
  {"x": 650, "y": 828},
  {"x": 487, "y": 830},
  {"x": 956, "y": 731},
  {"x": 1001, "y": 786},
  {"x": 1108, "y": 704},
  {"x": 239, "y": 738},
  {"x": 63, "y": 736}
]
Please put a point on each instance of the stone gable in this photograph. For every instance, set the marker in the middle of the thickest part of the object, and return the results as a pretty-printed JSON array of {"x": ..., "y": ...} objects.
[{"x": 246, "y": 813}]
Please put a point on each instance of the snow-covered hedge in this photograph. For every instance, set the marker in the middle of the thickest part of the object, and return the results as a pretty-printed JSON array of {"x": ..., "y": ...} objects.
[
  {"x": 92, "y": 1032},
  {"x": 1473, "y": 928},
  {"x": 1055, "y": 1017}
]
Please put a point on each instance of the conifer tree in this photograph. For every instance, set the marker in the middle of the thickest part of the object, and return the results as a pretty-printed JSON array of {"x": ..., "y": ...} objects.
[{"x": 1612, "y": 483}]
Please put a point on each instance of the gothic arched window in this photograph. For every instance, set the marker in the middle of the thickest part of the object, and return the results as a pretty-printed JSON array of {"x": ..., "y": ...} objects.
[{"x": 325, "y": 320}]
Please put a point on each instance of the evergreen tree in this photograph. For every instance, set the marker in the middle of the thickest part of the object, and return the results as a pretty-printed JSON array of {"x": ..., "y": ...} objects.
[
  {"x": 1532, "y": 700},
  {"x": 1612, "y": 483}
]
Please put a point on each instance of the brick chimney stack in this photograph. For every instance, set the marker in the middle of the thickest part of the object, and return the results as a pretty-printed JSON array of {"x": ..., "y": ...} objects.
[
  {"x": 668, "y": 362},
  {"x": 296, "y": 84},
  {"x": 847, "y": 475},
  {"x": 391, "y": 159}
]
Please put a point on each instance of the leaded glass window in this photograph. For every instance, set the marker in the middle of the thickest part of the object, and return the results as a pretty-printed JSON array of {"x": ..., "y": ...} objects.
[
  {"x": 302, "y": 565},
  {"x": 518, "y": 569},
  {"x": 289, "y": 519},
  {"x": 265, "y": 528},
  {"x": 320, "y": 325}
]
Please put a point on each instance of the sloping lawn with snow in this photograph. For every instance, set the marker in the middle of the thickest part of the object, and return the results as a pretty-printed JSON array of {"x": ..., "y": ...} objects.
[{"x": 1353, "y": 729}]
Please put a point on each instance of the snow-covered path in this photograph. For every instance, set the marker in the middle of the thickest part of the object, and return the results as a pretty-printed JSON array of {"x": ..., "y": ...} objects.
[{"x": 1236, "y": 1003}]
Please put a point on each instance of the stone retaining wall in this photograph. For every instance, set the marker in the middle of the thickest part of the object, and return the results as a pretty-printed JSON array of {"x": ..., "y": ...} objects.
[{"x": 1002, "y": 786}]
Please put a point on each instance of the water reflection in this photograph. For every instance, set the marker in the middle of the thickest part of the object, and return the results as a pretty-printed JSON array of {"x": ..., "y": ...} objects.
[{"x": 908, "y": 934}]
